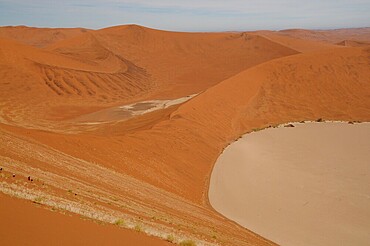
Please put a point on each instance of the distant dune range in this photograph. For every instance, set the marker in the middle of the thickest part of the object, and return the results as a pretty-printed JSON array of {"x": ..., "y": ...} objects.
[
  {"x": 39, "y": 37},
  {"x": 154, "y": 169},
  {"x": 329, "y": 36}
]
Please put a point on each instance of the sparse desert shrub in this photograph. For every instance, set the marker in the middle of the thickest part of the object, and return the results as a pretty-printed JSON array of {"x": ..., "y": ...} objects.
[
  {"x": 170, "y": 238},
  {"x": 187, "y": 243},
  {"x": 38, "y": 200},
  {"x": 138, "y": 228},
  {"x": 120, "y": 222}
]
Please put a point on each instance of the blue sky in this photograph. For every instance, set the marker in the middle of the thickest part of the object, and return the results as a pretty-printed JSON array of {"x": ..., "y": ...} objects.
[{"x": 188, "y": 15}]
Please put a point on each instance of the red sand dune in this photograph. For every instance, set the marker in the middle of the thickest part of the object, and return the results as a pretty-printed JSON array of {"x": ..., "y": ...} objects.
[{"x": 154, "y": 169}]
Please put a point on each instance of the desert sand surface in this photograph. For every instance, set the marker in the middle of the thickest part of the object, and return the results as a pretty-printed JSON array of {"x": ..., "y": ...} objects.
[
  {"x": 152, "y": 169},
  {"x": 307, "y": 185},
  {"x": 30, "y": 224}
]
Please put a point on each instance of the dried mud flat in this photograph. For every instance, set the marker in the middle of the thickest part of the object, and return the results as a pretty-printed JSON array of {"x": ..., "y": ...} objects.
[
  {"x": 304, "y": 184},
  {"x": 125, "y": 112}
]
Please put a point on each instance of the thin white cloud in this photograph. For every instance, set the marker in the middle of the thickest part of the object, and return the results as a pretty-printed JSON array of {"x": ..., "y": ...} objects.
[
  {"x": 245, "y": 6},
  {"x": 190, "y": 14}
]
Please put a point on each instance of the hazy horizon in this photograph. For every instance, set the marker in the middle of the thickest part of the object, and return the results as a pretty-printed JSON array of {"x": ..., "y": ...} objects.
[{"x": 203, "y": 16}]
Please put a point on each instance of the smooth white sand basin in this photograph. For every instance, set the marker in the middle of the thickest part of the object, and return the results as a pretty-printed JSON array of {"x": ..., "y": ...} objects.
[{"x": 307, "y": 185}]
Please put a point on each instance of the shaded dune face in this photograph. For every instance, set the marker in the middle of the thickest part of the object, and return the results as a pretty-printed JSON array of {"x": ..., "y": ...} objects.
[{"x": 243, "y": 81}]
